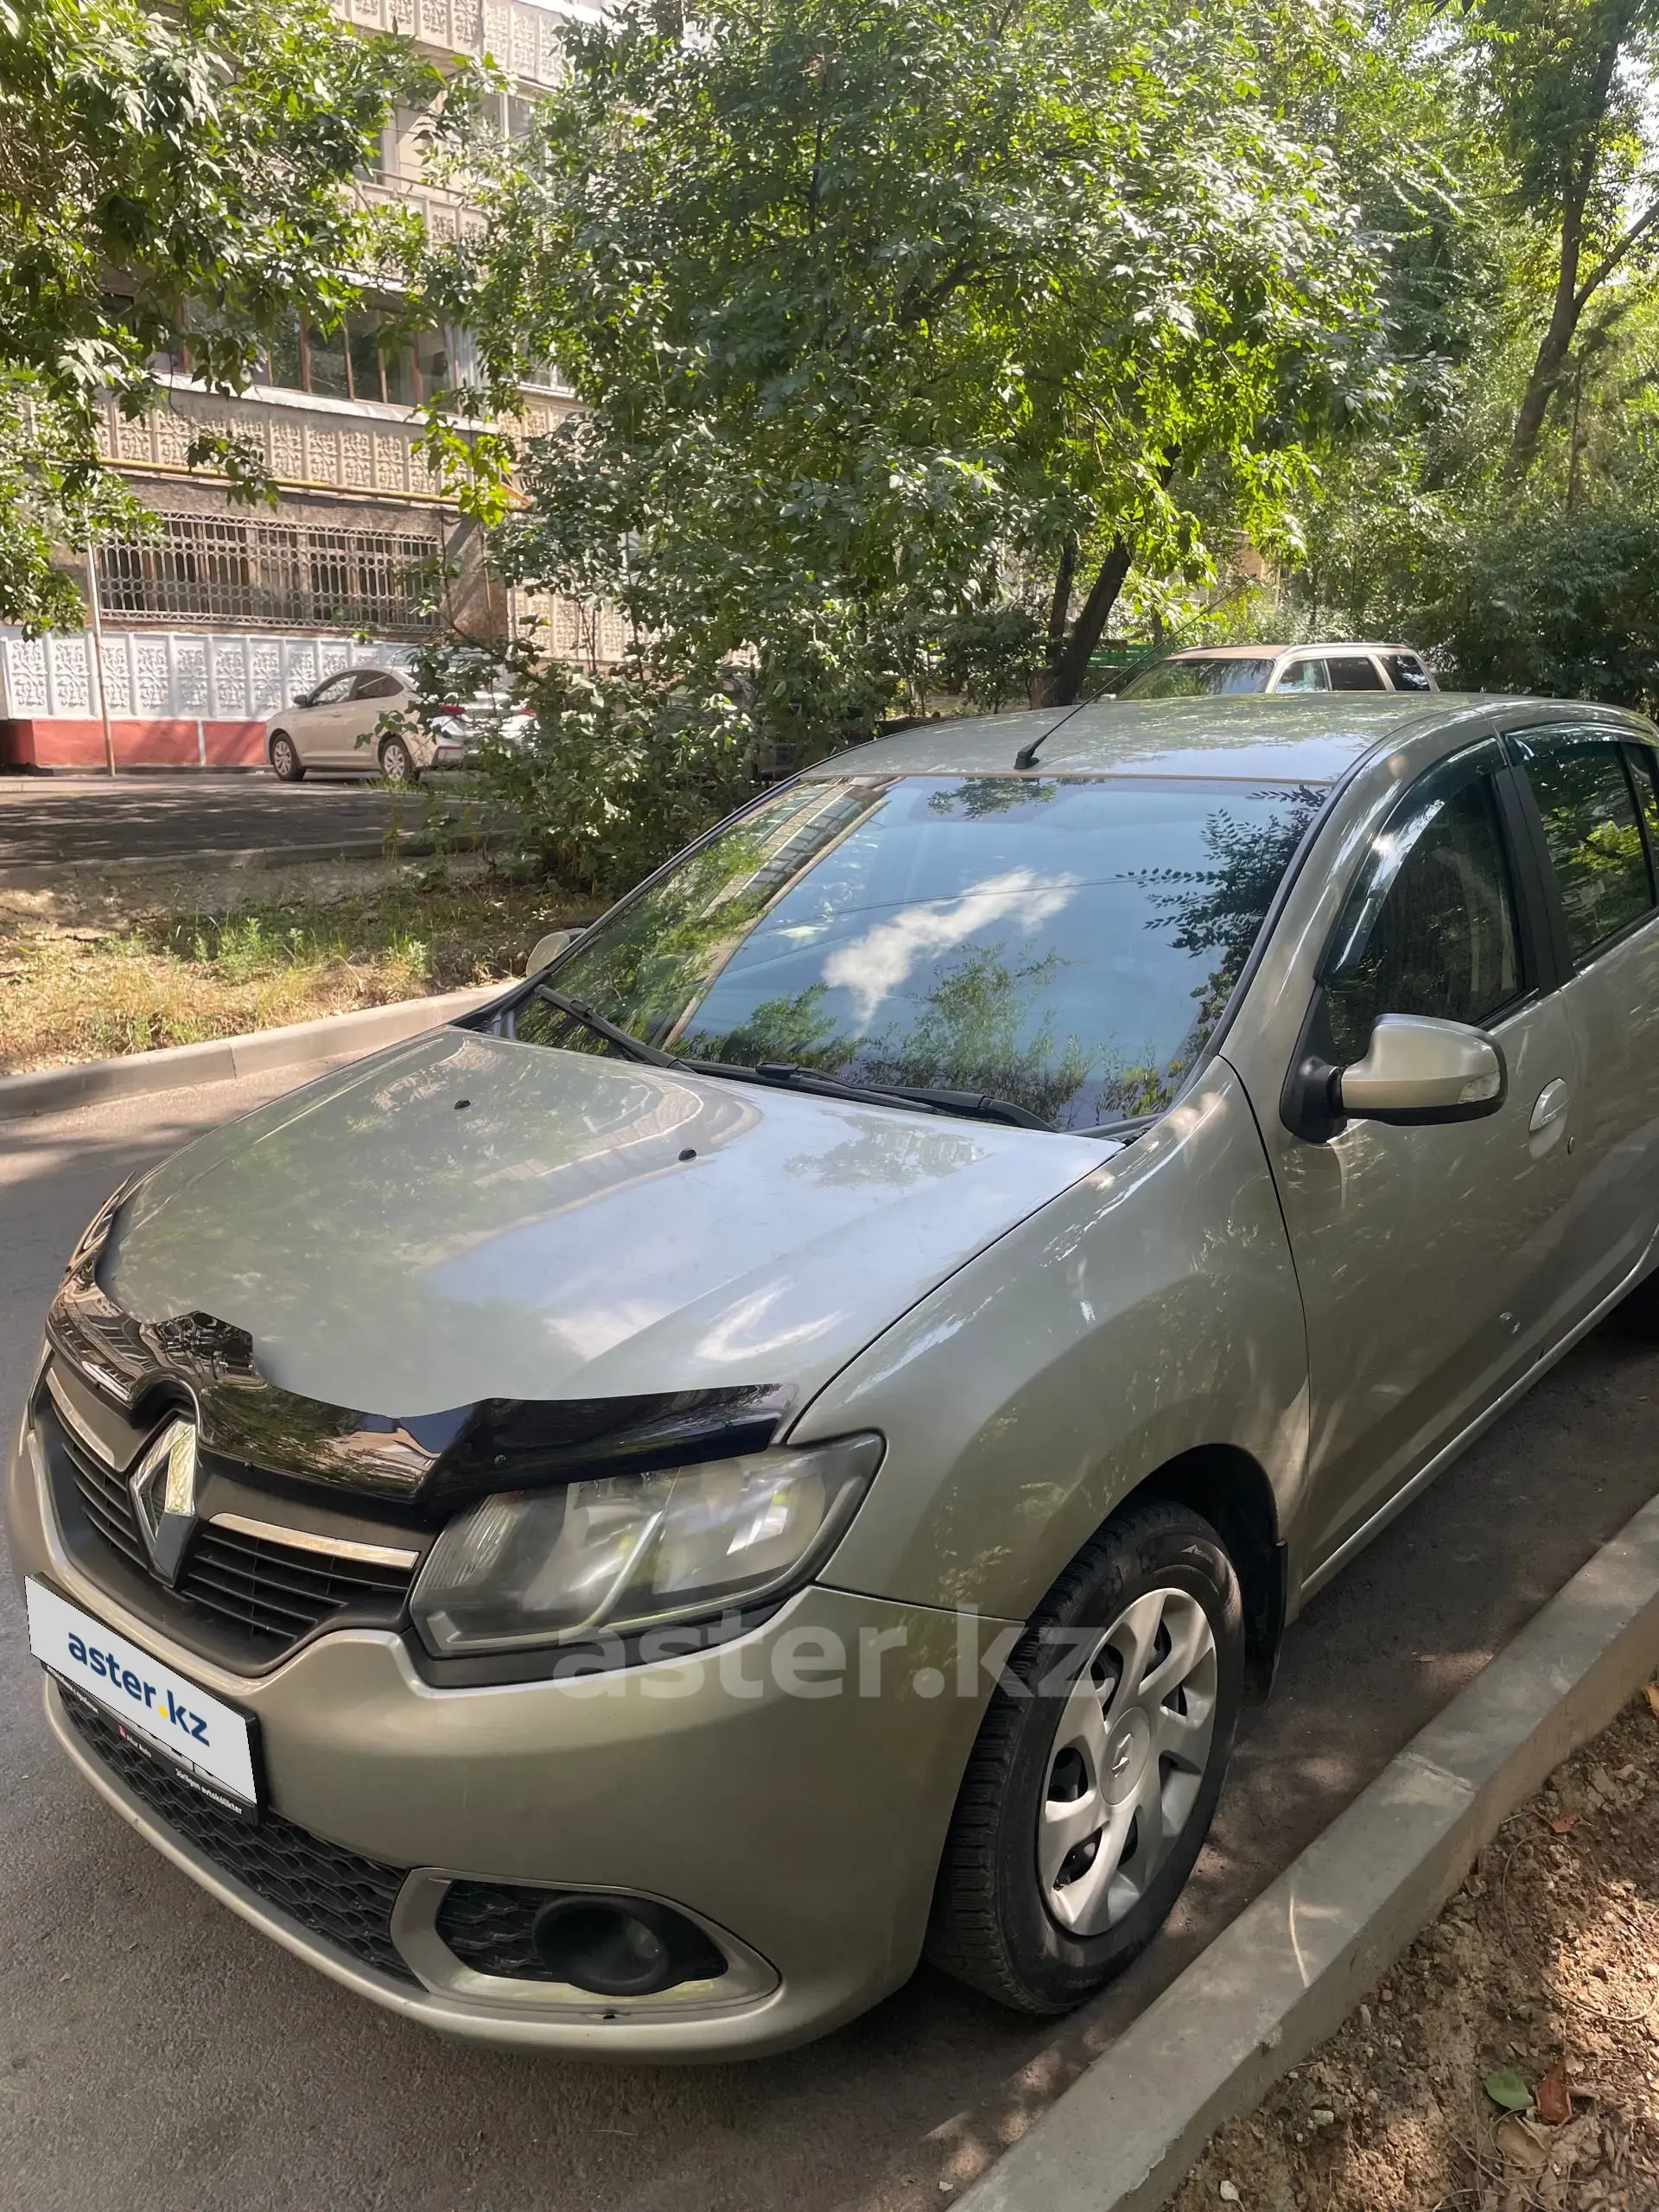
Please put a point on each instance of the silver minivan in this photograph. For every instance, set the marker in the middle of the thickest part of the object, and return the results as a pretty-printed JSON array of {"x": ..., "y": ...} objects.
[{"x": 782, "y": 1443}]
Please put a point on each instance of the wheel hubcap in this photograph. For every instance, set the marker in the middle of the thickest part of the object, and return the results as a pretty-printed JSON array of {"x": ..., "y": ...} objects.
[{"x": 1127, "y": 1761}]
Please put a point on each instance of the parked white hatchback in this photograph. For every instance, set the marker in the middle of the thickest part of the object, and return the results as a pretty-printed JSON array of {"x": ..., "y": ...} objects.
[{"x": 337, "y": 726}]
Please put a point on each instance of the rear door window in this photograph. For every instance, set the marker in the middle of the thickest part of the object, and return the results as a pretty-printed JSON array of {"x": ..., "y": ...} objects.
[
  {"x": 1596, "y": 851},
  {"x": 1354, "y": 672}
]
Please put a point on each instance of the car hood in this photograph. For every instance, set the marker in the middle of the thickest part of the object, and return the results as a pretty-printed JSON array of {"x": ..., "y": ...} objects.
[{"x": 466, "y": 1218}]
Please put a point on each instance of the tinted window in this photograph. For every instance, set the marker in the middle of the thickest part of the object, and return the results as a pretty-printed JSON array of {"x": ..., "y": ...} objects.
[
  {"x": 1064, "y": 944},
  {"x": 1354, "y": 672},
  {"x": 1406, "y": 672},
  {"x": 378, "y": 687},
  {"x": 331, "y": 693},
  {"x": 1198, "y": 678},
  {"x": 1430, "y": 927},
  {"x": 1594, "y": 839}
]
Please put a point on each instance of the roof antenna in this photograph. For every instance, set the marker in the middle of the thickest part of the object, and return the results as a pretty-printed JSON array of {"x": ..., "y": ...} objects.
[{"x": 1027, "y": 756}]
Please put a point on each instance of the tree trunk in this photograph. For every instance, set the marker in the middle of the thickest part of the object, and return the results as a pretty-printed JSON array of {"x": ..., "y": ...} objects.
[
  {"x": 1552, "y": 351},
  {"x": 1066, "y": 677},
  {"x": 1570, "y": 301},
  {"x": 1060, "y": 604}
]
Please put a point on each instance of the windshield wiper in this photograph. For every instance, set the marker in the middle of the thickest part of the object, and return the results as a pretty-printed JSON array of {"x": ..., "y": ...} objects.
[
  {"x": 623, "y": 1040},
  {"x": 976, "y": 1105}
]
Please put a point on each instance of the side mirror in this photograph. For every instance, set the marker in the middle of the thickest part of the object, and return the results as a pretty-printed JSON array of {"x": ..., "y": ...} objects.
[
  {"x": 548, "y": 949},
  {"x": 1419, "y": 1071}
]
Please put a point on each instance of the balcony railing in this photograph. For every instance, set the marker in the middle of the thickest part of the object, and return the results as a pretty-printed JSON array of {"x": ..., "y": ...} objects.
[
  {"x": 272, "y": 575},
  {"x": 525, "y": 40}
]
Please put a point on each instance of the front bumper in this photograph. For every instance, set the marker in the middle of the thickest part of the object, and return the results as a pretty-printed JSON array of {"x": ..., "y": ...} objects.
[{"x": 801, "y": 1828}]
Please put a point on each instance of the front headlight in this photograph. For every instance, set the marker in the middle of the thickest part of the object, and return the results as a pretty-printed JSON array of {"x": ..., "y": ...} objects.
[{"x": 628, "y": 1552}]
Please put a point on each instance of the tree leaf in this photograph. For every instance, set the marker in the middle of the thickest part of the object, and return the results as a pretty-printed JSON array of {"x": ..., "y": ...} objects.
[
  {"x": 1554, "y": 2099},
  {"x": 1504, "y": 2087}
]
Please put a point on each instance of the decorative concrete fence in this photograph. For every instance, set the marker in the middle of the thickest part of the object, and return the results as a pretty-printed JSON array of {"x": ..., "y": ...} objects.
[{"x": 177, "y": 698}]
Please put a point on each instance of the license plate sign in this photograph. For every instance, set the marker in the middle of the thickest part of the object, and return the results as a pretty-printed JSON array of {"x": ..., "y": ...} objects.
[{"x": 211, "y": 1740}]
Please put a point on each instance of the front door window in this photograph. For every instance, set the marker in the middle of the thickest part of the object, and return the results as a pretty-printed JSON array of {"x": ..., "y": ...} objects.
[{"x": 1431, "y": 928}]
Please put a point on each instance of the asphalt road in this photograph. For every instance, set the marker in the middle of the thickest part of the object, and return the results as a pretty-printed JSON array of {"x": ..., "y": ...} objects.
[
  {"x": 46, "y": 820},
  {"x": 157, "y": 2055}
]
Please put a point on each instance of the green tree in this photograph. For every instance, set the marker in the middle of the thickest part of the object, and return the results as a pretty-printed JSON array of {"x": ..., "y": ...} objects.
[
  {"x": 1570, "y": 86},
  {"x": 158, "y": 167},
  {"x": 872, "y": 307}
]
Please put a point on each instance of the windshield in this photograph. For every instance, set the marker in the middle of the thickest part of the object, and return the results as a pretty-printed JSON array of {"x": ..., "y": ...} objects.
[
  {"x": 1202, "y": 678},
  {"x": 1065, "y": 944}
]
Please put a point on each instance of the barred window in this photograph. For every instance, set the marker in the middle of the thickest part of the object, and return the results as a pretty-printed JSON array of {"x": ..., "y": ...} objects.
[{"x": 275, "y": 575}]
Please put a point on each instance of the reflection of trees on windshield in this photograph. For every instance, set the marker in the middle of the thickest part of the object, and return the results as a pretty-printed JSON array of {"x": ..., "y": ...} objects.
[
  {"x": 975, "y": 932},
  {"x": 1219, "y": 909},
  {"x": 979, "y": 796},
  {"x": 962, "y": 1033}
]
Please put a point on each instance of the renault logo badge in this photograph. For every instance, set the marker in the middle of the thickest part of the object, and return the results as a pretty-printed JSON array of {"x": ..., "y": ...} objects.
[{"x": 164, "y": 1497}]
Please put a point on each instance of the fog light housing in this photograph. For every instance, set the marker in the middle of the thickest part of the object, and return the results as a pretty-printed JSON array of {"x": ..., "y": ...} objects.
[{"x": 622, "y": 1947}]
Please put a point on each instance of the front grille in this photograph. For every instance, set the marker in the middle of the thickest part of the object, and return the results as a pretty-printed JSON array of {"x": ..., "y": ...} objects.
[
  {"x": 278, "y": 1591},
  {"x": 346, "y": 1899},
  {"x": 269, "y": 1594},
  {"x": 108, "y": 1502}
]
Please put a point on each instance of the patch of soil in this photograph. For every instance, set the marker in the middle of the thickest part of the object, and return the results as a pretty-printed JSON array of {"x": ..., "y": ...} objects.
[{"x": 1539, "y": 1982}]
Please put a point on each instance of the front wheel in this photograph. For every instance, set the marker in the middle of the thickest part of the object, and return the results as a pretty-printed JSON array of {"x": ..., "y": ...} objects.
[
  {"x": 285, "y": 762},
  {"x": 398, "y": 762},
  {"x": 1095, "y": 1774}
]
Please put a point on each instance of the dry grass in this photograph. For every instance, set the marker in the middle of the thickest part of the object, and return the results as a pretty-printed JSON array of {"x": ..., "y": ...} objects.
[
  {"x": 164, "y": 971},
  {"x": 1547, "y": 1963}
]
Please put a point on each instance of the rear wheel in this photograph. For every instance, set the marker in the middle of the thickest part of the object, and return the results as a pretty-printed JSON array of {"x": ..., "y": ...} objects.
[
  {"x": 1096, "y": 1773},
  {"x": 285, "y": 762},
  {"x": 398, "y": 762}
]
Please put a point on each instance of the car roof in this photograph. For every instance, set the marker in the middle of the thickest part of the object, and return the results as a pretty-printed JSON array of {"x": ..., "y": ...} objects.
[
  {"x": 1251, "y": 737},
  {"x": 1278, "y": 652}
]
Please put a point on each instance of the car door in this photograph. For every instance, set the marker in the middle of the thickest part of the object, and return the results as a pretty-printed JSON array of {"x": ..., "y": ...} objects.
[
  {"x": 375, "y": 692},
  {"x": 318, "y": 730},
  {"x": 1595, "y": 809},
  {"x": 1428, "y": 1256}
]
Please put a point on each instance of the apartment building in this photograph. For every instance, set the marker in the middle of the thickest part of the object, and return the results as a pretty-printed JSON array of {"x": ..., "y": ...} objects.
[{"x": 230, "y": 610}]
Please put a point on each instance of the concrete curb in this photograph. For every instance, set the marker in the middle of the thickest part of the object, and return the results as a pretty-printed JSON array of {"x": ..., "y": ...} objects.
[
  {"x": 30, "y": 875},
  {"x": 301, "y": 1045},
  {"x": 1294, "y": 1964}
]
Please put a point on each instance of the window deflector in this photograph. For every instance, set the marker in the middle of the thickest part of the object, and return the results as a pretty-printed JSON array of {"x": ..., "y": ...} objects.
[{"x": 1411, "y": 816}]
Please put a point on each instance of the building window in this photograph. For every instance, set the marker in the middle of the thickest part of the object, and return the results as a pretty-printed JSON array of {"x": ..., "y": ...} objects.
[{"x": 272, "y": 575}]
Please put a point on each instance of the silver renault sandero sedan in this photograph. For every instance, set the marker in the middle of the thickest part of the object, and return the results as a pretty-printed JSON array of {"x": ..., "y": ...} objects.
[{"x": 781, "y": 1443}]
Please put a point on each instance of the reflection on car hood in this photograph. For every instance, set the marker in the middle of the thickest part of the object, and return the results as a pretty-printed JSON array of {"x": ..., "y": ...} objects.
[{"x": 390, "y": 1247}]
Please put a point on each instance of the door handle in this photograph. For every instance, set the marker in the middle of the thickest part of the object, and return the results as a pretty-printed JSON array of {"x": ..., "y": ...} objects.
[{"x": 1549, "y": 1106}]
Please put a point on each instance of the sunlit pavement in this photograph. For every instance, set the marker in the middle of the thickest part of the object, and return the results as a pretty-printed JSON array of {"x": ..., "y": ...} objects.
[
  {"x": 154, "y": 2052},
  {"x": 58, "y": 818}
]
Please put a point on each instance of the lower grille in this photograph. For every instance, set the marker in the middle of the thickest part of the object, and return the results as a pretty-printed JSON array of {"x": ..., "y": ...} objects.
[
  {"x": 487, "y": 1924},
  {"x": 346, "y": 1899}
]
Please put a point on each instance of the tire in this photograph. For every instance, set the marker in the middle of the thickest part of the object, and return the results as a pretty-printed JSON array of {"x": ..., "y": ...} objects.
[
  {"x": 1637, "y": 1314},
  {"x": 1025, "y": 1908},
  {"x": 284, "y": 757},
  {"x": 397, "y": 763}
]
